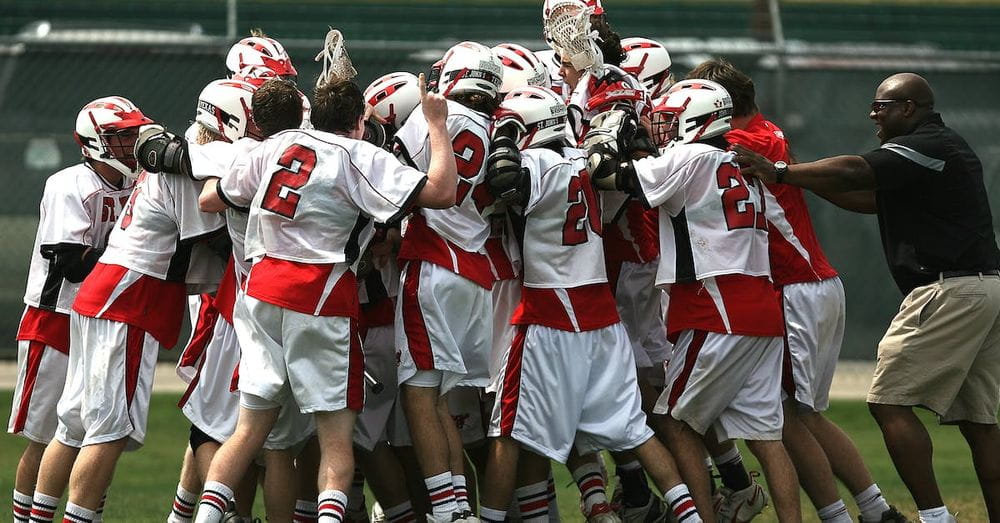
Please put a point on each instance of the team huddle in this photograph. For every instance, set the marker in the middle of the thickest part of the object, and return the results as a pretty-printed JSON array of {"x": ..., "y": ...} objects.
[{"x": 437, "y": 287}]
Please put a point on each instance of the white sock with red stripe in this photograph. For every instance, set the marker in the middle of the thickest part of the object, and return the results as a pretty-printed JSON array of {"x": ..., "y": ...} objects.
[
  {"x": 402, "y": 513},
  {"x": 214, "y": 502},
  {"x": 442, "y": 494},
  {"x": 553, "y": 502},
  {"x": 183, "y": 509},
  {"x": 306, "y": 511},
  {"x": 77, "y": 514},
  {"x": 22, "y": 507},
  {"x": 490, "y": 515},
  {"x": 533, "y": 502},
  {"x": 681, "y": 504},
  {"x": 591, "y": 483},
  {"x": 461, "y": 492},
  {"x": 43, "y": 507},
  {"x": 332, "y": 506}
]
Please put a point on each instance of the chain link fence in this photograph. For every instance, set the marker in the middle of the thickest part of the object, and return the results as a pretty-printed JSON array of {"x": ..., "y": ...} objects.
[{"x": 817, "y": 89}]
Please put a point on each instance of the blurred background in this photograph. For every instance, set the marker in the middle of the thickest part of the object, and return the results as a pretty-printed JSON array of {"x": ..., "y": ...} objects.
[{"x": 816, "y": 64}]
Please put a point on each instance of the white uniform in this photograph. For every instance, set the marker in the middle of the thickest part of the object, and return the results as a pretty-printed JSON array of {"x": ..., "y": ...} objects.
[
  {"x": 445, "y": 311},
  {"x": 726, "y": 365},
  {"x": 131, "y": 303},
  {"x": 568, "y": 332},
  {"x": 505, "y": 259},
  {"x": 78, "y": 208},
  {"x": 377, "y": 294}
]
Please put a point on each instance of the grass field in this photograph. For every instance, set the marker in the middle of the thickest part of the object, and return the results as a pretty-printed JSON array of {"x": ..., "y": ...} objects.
[{"x": 144, "y": 484}]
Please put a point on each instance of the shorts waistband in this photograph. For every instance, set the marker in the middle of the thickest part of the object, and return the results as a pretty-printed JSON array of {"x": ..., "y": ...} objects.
[{"x": 958, "y": 274}]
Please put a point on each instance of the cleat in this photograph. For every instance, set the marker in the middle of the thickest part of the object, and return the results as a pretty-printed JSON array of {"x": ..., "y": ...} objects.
[
  {"x": 378, "y": 515},
  {"x": 893, "y": 515},
  {"x": 741, "y": 506},
  {"x": 602, "y": 513}
]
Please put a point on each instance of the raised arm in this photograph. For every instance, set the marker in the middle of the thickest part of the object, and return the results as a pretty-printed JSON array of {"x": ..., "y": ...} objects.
[{"x": 442, "y": 176}]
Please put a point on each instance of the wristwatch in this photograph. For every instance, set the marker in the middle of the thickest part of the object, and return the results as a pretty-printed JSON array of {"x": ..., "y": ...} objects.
[{"x": 780, "y": 170}]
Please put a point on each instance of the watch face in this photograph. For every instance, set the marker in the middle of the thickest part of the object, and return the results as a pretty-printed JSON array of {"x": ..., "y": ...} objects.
[{"x": 780, "y": 165}]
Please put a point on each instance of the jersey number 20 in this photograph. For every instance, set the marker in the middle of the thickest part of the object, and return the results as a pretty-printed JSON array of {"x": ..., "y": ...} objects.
[
  {"x": 583, "y": 210},
  {"x": 297, "y": 162}
]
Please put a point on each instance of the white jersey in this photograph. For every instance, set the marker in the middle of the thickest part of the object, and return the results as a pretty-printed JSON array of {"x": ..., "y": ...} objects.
[
  {"x": 158, "y": 227},
  {"x": 711, "y": 219},
  {"x": 464, "y": 224},
  {"x": 78, "y": 207},
  {"x": 596, "y": 93}
]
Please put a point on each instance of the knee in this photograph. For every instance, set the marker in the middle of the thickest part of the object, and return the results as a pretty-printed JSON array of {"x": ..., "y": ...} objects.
[
  {"x": 883, "y": 413},
  {"x": 976, "y": 433}
]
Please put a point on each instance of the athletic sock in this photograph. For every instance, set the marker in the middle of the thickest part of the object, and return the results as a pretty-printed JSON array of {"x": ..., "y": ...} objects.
[
  {"x": 681, "y": 505},
  {"x": 402, "y": 513},
  {"x": 550, "y": 487},
  {"x": 214, "y": 502},
  {"x": 43, "y": 507},
  {"x": 332, "y": 506},
  {"x": 442, "y": 495},
  {"x": 461, "y": 492},
  {"x": 306, "y": 511},
  {"x": 835, "y": 512},
  {"x": 713, "y": 487},
  {"x": 591, "y": 484},
  {"x": 871, "y": 504},
  {"x": 489, "y": 515},
  {"x": 635, "y": 488},
  {"x": 730, "y": 465},
  {"x": 183, "y": 508},
  {"x": 935, "y": 515},
  {"x": 22, "y": 507},
  {"x": 533, "y": 502},
  {"x": 99, "y": 513},
  {"x": 77, "y": 514},
  {"x": 356, "y": 496}
]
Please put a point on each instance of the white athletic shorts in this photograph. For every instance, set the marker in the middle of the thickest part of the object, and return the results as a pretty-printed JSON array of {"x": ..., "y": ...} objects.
[
  {"x": 380, "y": 362},
  {"x": 815, "y": 315},
  {"x": 725, "y": 381},
  {"x": 466, "y": 411},
  {"x": 200, "y": 311},
  {"x": 506, "y": 297},
  {"x": 209, "y": 403},
  {"x": 639, "y": 303},
  {"x": 108, "y": 383},
  {"x": 315, "y": 359},
  {"x": 41, "y": 375},
  {"x": 559, "y": 387},
  {"x": 443, "y": 322}
]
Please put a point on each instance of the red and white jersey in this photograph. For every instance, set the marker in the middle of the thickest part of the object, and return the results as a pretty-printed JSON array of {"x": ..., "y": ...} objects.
[
  {"x": 795, "y": 252},
  {"x": 376, "y": 294},
  {"x": 565, "y": 284},
  {"x": 453, "y": 238},
  {"x": 502, "y": 248},
  {"x": 78, "y": 207},
  {"x": 630, "y": 229},
  {"x": 596, "y": 93}
]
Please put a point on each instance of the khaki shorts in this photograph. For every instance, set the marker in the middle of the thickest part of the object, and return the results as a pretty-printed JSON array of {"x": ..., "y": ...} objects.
[{"x": 942, "y": 351}]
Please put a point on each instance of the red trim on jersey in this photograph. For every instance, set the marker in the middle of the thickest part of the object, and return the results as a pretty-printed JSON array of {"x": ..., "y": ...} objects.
[
  {"x": 36, "y": 349},
  {"x": 153, "y": 305},
  {"x": 422, "y": 243},
  {"x": 635, "y": 236},
  {"x": 299, "y": 287},
  {"x": 382, "y": 312},
  {"x": 593, "y": 307},
  {"x": 512, "y": 382},
  {"x": 417, "y": 339},
  {"x": 502, "y": 266},
  {"x": 225, "y": 295},
  {"x": 133, "y": 360},
  {"x": 750, "y": 304},
  {"x": 355, "y": 371},
  {"x": 678, "y": 386},
  {"x": 48, "y": 327},
  {"x": 204, "y": 328}
]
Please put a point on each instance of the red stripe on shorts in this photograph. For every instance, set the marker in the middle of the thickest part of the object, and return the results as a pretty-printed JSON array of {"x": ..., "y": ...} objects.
[
  {"x": 512, "y": 382},
  {"x": 133, "y": 360},
  {"x": 689, "y": 360},
  {"x": 417, "y": 339},
  {"x": 34, "y": 361},
  {"x": 355, "y": 370}
]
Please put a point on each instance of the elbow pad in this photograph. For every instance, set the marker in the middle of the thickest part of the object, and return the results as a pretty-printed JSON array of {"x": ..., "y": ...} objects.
[
  {"x": 505, "y": 178},
  {"x": 160, "y": 151}
]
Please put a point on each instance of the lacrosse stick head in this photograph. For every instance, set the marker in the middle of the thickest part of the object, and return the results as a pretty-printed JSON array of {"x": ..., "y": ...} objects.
[
  {"x": 337, "y": 65},
  {"x": 567, "y": 29}
]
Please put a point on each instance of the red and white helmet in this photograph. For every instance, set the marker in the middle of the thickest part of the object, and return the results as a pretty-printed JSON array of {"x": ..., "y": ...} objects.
[
  {"x": 255, "y": 75},
  {"x": 260, "y": 51},
  {"x": 106, "y": 130},
  {"x": 692, "y": 110},
  {"x": 225, "y": 108},
  {"x": 520, "y": 68},
  {"x": 470, "y": 67},
  {"x": 648, "y": 61},
  {"x": 541, "y": 112},
  {"x": 393, "y": 97},
  {"x": 549, "y": 4}
]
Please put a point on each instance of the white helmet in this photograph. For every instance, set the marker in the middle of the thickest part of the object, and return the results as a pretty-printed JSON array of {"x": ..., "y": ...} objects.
[
  {"x": 568, "y": 32},
  {"x": 548, "y": 6},
  {"x": 260, "y": 51},
  {"x": 224, "y": 107},
  {"x": 394, "y": 96},
  {"x": 106, "y": 130},
  {"x": 520, "y": 68},
  {"x": 540, "y": 111},
  {"x": 648, "y": 61},
  {"x": 692, "y": 110},
  {"x": 255, "y": 75},
  {"x": 470, "y": 67}
]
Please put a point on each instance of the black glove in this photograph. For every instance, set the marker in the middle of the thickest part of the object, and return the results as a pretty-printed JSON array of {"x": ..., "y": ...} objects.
[
  {"x": 506, "y": 179},
  {"x": 160, "y": 151},
  {"x": 608, "y": 154}
]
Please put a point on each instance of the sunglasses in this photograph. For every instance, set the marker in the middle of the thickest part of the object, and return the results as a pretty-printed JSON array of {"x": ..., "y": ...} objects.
[{"x": 880, "y": 105}]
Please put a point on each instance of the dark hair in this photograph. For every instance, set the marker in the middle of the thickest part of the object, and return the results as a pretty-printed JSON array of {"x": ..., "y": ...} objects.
[
  {"x": 337, "y": 106},
  {"x": 737, "y": 83},
  {"x": 480, "y": 102},
  {"x": 610, "y": 43},
  {"x": 277, "y": 105}
]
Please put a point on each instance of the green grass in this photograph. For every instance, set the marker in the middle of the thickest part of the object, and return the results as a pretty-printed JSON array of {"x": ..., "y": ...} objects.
[{"x": 145, "y": 480}]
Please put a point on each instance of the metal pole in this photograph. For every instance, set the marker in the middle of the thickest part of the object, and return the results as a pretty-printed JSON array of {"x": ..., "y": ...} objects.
[
  {"x": 231, "y": 19},
  {"x": 778, "y": 36}
]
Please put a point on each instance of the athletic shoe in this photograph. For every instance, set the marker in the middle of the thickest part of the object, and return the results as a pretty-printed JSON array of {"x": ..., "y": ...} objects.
[
  {"x": 741, "y": 506},
  {"x": 602, "y": 513},
  {"x": 654, "y": 511},
  {"x": 890, "y": 516},
  {"x": 378, "y": 515}
]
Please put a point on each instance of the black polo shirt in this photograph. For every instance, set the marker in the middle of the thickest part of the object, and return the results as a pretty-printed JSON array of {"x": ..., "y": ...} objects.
[{"x": 932, "y": 207}]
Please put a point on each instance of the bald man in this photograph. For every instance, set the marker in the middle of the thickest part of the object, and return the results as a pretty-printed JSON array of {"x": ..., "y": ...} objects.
[{"x": 942, "y": 349}]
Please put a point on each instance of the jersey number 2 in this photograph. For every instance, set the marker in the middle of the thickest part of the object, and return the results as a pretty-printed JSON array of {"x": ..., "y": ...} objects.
[
  {"x": 297, "y": 162},
  {"x": 470, "y": 153},
  {"x": 740, "y": 211},
  {"x": 583, "y": 211}
]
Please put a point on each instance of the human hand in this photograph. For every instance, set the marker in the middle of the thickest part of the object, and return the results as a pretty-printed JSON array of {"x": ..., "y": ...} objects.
[
  {"x": 434, "y": 105},
  {"x": 754, "y": 164}
]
